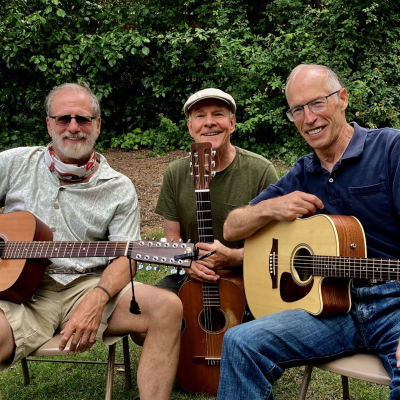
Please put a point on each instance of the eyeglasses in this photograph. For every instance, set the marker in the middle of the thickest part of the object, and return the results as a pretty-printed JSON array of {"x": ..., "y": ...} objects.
[
  {"x": 66, "y": 119},
  {"x": 316, "y": 106}
]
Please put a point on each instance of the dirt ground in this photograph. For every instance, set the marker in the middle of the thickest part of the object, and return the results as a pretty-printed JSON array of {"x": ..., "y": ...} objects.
[{"x": 146, "y": 173}]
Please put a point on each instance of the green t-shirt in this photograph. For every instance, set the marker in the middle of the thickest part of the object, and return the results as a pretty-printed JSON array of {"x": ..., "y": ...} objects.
[{"x": 235, "y": 186}]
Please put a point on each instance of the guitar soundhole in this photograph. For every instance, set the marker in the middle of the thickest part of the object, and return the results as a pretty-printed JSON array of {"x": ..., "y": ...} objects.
[
  {"x": 212, "y": 319},
  {"x": 301, "y": 263},
  {"x": 2, "y": 241}
]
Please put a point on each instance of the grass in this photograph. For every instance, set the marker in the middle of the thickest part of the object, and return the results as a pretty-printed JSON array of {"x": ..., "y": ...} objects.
[{"x": 54, "y": 381}]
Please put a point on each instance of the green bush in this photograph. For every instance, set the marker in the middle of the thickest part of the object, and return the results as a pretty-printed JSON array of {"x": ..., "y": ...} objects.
[{"x": 144, "y": 58}]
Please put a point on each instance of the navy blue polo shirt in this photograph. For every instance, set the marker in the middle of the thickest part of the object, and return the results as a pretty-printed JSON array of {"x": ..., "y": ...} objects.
[{"x": 365, "y": 183}]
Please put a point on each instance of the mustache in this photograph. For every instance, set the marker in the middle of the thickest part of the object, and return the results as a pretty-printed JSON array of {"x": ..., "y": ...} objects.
[{"x": 69, "y": 135}]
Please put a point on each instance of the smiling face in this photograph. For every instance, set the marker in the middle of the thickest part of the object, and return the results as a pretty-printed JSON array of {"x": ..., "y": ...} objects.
[
  {"x": 325, "y": 130},
  {"x": 73, "y": 143},
  {"x": 210, "y": 121}
]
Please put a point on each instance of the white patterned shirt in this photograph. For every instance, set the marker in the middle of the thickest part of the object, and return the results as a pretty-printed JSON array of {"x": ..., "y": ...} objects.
[{"x": 105, "y": 208}]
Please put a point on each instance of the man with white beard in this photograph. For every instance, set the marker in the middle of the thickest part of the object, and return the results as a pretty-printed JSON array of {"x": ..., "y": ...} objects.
[{"x": 74, "y": 191}]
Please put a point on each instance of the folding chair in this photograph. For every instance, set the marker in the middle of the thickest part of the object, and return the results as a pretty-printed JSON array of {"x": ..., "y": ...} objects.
[
  {"x": 50, "y": 348},
  {"x": 367, "y": 367}
]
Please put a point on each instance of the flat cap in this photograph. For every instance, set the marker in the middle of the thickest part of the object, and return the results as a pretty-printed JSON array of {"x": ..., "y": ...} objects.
[{"x": 209, "y": 93}]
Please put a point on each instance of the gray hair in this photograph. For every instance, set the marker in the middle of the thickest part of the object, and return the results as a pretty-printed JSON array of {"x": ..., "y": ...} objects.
[
  {"x": 73, "y": 87},
  {"x": 333, "y": 82}
]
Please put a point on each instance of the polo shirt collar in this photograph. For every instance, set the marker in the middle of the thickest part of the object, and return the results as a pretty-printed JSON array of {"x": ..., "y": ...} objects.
[{"x": 354, "y": 149}]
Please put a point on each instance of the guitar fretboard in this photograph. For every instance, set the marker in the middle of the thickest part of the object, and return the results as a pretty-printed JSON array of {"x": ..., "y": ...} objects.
[
  {"x": 21, "y": 250},
  {"x": 346, "y": 267},
  {"x": 204, "y": 217},
  {"x": 349, "y": 267}
]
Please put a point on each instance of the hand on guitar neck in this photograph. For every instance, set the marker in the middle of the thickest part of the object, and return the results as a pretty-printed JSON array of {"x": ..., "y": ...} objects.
[{"x": 207, "y": 270}]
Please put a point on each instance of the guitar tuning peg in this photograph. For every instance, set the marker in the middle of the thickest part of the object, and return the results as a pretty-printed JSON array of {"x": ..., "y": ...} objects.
[
  {"x": 165, "y": 269},
  {"x": 213, "y": 174},
  {"x": 140, "y": 266},
  {"x": 213, "y": 164},
  {"x": 190, "y": 153},
  {"x": 157, "y": 269},
  {"x": 182, "y": 272},
  {"x": 189, "y": 241},
  {"x": 146, "y": 238},
  {"x": 213, "y": 153},
  {"x": 154, "y": 238},
  {"x": 174, "y": 271},
  {"x": 148, "y": 268},
  {"x": 163, "y": 240},
  {"x": 180, "y": 240},
  {"x": 172, "y": 240},
  {"x": 190, "y": 164}
]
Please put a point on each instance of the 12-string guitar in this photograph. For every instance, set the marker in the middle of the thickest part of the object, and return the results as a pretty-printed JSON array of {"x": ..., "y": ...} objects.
[
  {"x": 209, "y": 309},
  {"x": 26, "y": 244},
  {"x": 309, "y": 264}
]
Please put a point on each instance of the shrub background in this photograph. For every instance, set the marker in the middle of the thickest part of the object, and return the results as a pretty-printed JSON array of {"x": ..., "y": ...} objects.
[{"x": 144, "y": 58}]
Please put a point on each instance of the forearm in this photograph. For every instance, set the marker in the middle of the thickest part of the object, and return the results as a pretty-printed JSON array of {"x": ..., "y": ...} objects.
[
  {"x": 235, "y": 258},
  {"x": 116, "y": 276},
  {"x": 243, "y": 222}
]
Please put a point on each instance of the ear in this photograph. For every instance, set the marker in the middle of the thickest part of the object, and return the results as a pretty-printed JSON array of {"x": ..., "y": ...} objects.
[
  {"x": 98, "y": 126},
  {"x": 233, "y": 124},
  {"x": 343, "y": 99},
  {"x": 189, "y": 125}
]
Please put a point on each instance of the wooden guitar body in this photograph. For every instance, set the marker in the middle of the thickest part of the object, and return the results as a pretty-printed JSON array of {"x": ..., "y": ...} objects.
[
  {"x": 205, "y": 323},
  {"x": 277, "y": 257},
  {"x": 20, "y": 278}
]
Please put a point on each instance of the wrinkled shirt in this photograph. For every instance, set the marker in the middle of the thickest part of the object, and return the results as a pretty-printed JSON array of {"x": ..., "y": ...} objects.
[
  {"x": 105, "y": 208},
  {"x": 364, "y": 183}
]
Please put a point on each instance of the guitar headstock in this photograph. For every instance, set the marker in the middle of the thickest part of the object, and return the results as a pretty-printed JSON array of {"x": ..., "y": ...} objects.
[
  {"x": 202, "y": 165},
  {"x": 158, "y": 252}
]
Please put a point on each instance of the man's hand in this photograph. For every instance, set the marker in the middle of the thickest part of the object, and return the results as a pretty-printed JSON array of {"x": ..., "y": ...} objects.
[
  {"x": 205, "y": 270},
  {"x": 245, "y": 221},
  {"x": 84, "y": 322},
  {"x": 293, "y": 205}
]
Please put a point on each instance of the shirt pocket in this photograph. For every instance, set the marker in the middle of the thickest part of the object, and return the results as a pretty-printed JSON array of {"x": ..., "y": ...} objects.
[{"x": 370, "y": 204}]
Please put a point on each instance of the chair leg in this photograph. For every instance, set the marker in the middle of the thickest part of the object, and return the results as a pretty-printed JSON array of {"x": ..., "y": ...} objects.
[
  {"x": 110, "y": 371},
  {"x": 25, "y": 371},
  {"x": 345, "y": 385},
  {"x": 127, "y": 362},
  {"x": 305, "y": 382}
]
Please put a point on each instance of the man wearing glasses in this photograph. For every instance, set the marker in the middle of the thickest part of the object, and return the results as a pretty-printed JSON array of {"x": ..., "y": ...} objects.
[
  {"x": 352, "y": 171},
  {"x": 74, "y": 191}
]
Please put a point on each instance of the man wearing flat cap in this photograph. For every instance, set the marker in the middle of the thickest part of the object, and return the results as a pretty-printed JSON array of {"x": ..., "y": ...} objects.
[{"x": 240, "y": 176}]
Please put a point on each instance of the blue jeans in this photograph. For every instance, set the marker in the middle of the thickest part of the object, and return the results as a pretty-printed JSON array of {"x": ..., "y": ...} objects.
[{"x": 255, "y": 354}]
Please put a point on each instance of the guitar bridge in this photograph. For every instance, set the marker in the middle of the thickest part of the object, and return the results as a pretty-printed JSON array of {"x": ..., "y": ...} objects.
[{"x": 273, "y": 264}]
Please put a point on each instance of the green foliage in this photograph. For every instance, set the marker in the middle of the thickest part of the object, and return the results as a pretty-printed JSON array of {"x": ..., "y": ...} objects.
[{"x": 144, "y": 58}]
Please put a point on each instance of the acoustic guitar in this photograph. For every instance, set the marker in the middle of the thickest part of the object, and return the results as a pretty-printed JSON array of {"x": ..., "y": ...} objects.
[
  {"x": 26, "y": 244},
  {"x": 309, "y": 264},
  {"x": 209, "y": 309}
]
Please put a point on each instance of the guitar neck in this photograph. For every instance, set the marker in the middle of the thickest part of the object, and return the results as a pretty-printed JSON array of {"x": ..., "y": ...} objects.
[
  {"x": 204, "y": 218},
  {"x": 349, "y": 267},
  {"x": 21, "y": 250}
]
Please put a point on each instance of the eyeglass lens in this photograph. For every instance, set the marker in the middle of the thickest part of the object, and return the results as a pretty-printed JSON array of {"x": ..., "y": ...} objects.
[
  {"x": 316, "y": 105},
  {"x": 66, "y": 120}
]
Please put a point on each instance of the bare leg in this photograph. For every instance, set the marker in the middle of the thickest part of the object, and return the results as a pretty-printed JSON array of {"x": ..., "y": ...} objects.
[
  {"x": 7, "y": 345},
  {"x": 158, "y": 329}
]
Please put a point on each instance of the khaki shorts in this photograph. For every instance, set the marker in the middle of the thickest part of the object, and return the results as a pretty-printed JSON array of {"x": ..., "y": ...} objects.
[{"x": 35, "y": 321}]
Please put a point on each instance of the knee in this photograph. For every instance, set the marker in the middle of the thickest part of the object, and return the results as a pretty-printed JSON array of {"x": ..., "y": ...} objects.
[{"x": 169, "y": 306}]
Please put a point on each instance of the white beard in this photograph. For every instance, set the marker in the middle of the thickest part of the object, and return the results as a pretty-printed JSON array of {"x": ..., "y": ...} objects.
[{"x": 76, "y": 151}]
